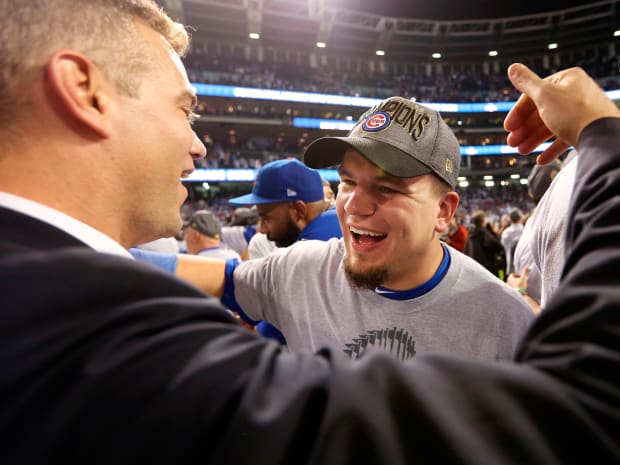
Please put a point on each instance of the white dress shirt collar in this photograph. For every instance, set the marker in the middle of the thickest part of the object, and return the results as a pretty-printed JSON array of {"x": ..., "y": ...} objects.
[{"x": 81, "y": 231}]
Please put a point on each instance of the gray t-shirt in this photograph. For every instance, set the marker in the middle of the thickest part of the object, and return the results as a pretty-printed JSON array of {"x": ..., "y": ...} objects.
[
  {"x": 523, "y": 259},
  {"x": 303, "y": 291},
  {"x": 549, "y": 228}
]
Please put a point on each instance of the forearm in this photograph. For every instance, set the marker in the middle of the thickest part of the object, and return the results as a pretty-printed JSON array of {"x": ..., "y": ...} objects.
[{"x": 205, "y": 273}]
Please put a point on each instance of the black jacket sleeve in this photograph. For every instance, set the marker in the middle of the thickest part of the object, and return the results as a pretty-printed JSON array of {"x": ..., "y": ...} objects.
[{"x": 107, "y": 361}]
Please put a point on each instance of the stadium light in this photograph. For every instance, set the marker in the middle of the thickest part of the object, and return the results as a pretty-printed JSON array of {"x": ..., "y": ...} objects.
[
  {"x": 617, "y": 33},
  {"x": 321, "y": 44},
  {"x": 487, "y": 178},
  {"x": 254, "y": 35},
  {"x": 489, "y": 183},
  {"x": 380, "y": 53},
  {"x": 436, "y": 55},
  {"x": 463, "y": 183},
  {"x": 493, "y": 53},
  {"x": 515, "y": 176},
  {"x": 552, "y": 46},
  {"x": 523, "y": 181}
]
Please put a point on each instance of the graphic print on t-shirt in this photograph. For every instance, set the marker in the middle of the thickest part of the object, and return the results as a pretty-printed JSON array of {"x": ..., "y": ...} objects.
[{"x": 396, "y": 341}]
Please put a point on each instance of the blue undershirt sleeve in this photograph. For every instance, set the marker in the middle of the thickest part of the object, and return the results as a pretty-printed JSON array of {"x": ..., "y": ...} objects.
[
  {"x": 228, "y": 296},
  {"x": 165, "y": 261}
]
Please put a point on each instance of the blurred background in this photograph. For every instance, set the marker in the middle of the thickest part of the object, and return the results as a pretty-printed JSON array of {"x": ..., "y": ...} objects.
[{"x": 273, "y": 75}]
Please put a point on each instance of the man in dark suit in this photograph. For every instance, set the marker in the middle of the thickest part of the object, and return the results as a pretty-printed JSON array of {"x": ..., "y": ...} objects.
[{"x": 105, "y": 360}]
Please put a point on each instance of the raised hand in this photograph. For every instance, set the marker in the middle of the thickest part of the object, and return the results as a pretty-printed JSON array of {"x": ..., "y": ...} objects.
[{"x": 559, "y": 106}]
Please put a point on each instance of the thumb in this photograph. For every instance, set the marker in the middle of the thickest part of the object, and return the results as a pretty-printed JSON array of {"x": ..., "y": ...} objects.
[
  {"x": 526, "y": 272},
  {"x": 525, "y": 80}
]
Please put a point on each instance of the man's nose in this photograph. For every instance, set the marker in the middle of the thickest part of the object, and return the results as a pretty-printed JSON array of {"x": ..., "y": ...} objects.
[{"x": 198, "y": 149}]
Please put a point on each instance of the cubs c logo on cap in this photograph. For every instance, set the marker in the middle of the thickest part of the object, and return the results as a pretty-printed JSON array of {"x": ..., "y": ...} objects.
[{"x": 377, "y": 121}]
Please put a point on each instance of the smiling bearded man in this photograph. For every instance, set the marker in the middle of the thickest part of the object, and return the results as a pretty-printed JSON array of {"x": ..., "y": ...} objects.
[{"x": 389, "y": 283}]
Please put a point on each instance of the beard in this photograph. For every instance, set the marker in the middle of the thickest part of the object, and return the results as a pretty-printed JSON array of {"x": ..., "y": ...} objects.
[
  {"x": 366, "y": 279},
  {"x": 288, "y": 236}
]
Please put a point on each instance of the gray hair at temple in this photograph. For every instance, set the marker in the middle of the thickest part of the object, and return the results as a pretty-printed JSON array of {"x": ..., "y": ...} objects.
[{"x": 103, "y": 30}]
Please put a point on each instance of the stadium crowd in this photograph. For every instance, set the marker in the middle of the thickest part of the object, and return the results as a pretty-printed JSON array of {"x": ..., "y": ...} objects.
[{"x": 431, "y": 86}]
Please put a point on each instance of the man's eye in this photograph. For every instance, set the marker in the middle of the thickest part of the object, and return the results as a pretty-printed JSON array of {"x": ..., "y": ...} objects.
[
  {"x": 191, "y": 115},
  {"x": 387, "y": 190}
]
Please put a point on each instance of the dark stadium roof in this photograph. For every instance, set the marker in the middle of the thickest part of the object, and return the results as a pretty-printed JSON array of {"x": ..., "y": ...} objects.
[
  {"x": 462, "y": 31},
  {"x": 458, "y": 9}
]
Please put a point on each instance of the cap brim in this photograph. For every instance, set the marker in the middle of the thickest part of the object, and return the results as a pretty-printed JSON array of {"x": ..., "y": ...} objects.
[
  {"x": 329, "y": 151},
  {"x": 251, "y": 199}
]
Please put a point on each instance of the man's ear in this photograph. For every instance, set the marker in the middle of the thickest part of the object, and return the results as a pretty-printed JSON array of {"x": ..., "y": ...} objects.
[
  {"x": 299, "y": 213},
  {"x": 80, "y": 91},
  {"x": 447, "y": 208}
]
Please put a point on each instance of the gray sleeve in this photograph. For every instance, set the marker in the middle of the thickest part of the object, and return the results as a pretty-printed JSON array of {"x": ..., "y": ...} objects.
[{"x": 259, "y": 283}]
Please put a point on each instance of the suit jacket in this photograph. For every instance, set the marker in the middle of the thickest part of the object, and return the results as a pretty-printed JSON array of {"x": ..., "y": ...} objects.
[{"x": 105, "y": 360}]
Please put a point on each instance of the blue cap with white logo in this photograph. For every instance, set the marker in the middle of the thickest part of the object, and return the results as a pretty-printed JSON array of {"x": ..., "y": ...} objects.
[{"x": 284, "y": 181}]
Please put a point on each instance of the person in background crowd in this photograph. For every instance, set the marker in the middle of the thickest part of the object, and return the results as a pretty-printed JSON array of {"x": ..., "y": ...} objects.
[
  {"x": 526, "y": 278},
  {"x": 456, "y": 235},
  {"x": 510, "y": 236},
  {"x": 483, "y": 245},
  {"x": 498, "y": 227},
  {"x": 202, "y": 236},
  {"x": 548, "y": 229},
  {"x": 389, "y": 283},
  {"x": 549, "y": 224},
  {"x": 106, "y": 360},
  {"x": 239, "y": 232},
  {"x": 290, "y": 200},
  {"x": 330, "y": 196}
]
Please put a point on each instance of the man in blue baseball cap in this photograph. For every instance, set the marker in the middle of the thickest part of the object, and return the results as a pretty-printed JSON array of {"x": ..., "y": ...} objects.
[{"x": 290, "y": 201}]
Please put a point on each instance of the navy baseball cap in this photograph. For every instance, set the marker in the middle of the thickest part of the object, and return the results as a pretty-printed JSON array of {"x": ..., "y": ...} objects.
[
  {"x": 403, "y": 138},
  {"x": 283, "y": 181}
]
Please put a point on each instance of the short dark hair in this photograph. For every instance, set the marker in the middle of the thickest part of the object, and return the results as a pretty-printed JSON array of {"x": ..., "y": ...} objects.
[
  {"x": 515, "y": 216},
  {"x": 478, "y": 218}
]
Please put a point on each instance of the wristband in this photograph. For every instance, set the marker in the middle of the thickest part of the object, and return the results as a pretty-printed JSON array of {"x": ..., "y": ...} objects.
[{"x": 522, "y": 290}]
